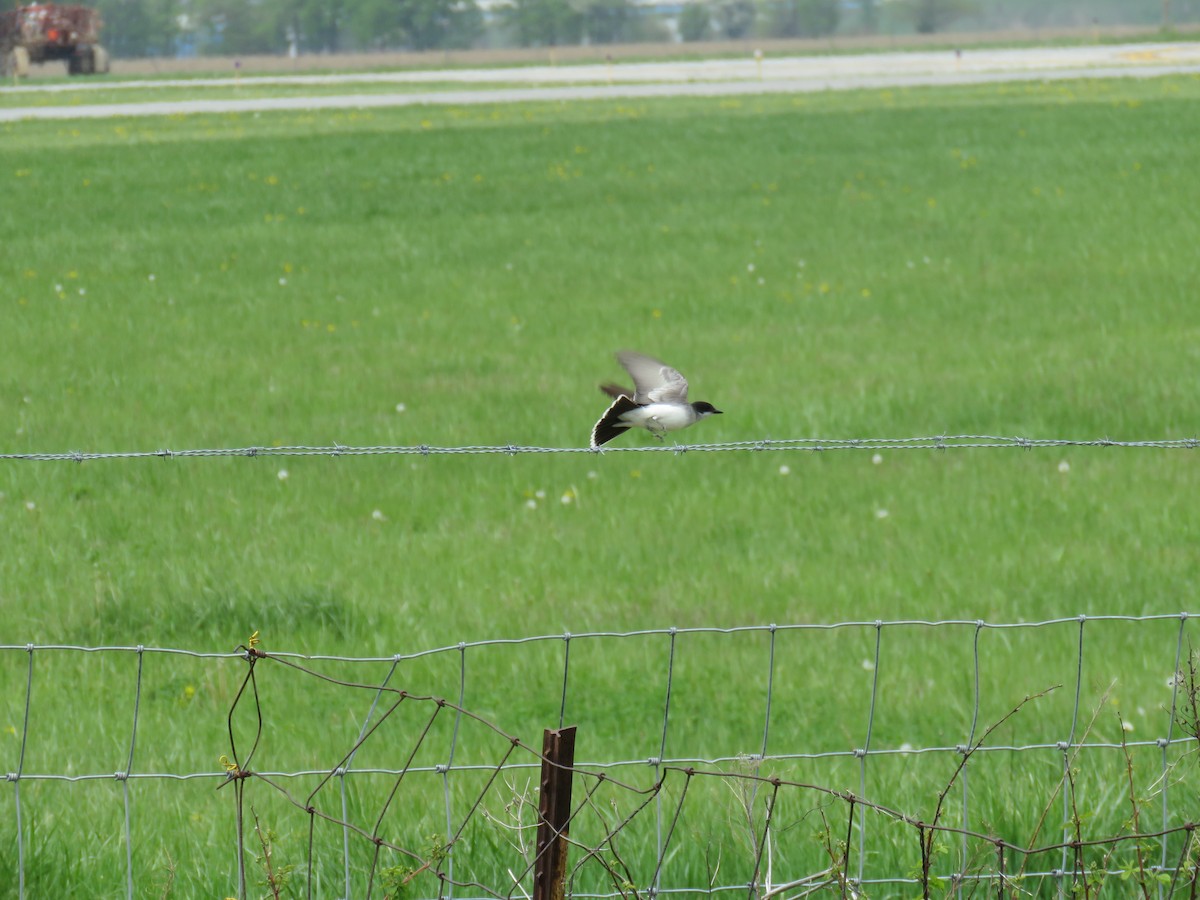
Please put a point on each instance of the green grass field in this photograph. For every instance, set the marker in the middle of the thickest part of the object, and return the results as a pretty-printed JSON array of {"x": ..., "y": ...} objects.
[{"x": 1010, "y": 260}]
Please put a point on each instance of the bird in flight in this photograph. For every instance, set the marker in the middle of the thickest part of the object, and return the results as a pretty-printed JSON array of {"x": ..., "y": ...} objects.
[{"x": 658, "y": 401}]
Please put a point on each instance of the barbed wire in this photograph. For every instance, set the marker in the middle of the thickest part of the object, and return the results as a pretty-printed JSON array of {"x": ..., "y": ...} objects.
[
  {"x": 358, "y": 816},
  {"x": 806, "y": 445}
]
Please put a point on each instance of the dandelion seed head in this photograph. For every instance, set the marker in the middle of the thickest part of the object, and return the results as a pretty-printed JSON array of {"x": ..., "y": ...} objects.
[
  {"x": 282, "y": 475},
  {"x": 1064, "y": 467},
  {"x": 868, "y": 665},
  {"x": 400, "y": 407},
  {"x": 877, "y": 458},
  {"x": 881, "y": 513},
  {"x": 377, "y": 515},
  {"x": 531, "y": 503},
  {"x": 784, "y": 470}
]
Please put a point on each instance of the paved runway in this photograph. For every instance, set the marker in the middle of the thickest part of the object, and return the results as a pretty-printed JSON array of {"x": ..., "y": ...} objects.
[{"x": 723, "y": 77}]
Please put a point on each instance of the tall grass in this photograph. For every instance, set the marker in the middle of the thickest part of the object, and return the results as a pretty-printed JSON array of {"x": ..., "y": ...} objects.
[{"x": 1014, "y": 259}]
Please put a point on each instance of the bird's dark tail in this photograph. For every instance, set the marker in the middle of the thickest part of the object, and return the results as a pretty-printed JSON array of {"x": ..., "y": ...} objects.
[
  {"x": 610, "y": 424},
  {"x": 615, "y": 390}
]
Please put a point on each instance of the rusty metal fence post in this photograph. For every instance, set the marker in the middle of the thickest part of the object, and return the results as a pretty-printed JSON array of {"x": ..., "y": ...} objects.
[{"x": 554, "y": 814}]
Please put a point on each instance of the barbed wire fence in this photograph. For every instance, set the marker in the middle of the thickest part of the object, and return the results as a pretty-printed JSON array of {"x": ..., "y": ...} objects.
[
  {"x": 808, "y": 445},
  {"x": 428, "y": 797}
]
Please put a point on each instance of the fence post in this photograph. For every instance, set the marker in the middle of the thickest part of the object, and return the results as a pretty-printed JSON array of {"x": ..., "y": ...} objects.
[{"x": 554, "y": 813}]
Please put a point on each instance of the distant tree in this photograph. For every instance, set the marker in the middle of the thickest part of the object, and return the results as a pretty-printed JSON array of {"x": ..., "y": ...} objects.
[
  {"x": 375, "y": 24},
  {"x": 315, "y": 25},
  {"x": 233, "y": 27},
  {"x": 735, "y": 18},
  {"x": 467, "y": 26},
  {"x": 930, "y": 16},
  {"x": 544, "y": 23},
  {"x": 642, "y": 29},
  {"x": 695, "y": 21},
  {"x": 427, "y": 24},
  {"x": 134, "y": 28},
  {"x": 802, "y": 18},
  {"x": 604, "y": 21},
  {"x": 870, "y": 16}
]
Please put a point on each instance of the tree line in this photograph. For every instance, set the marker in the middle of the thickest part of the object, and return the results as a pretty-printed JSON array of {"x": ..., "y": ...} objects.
[
  {"x": 139, "y": 28},
  {"x": 135, "y": 28}
]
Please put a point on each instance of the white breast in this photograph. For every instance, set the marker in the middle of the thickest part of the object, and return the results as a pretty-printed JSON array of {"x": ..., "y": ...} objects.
[{"x": 661, "y": 416}]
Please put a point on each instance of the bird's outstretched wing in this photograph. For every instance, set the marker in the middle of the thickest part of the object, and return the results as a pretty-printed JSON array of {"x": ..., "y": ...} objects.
[{"x": 654, "y": 381}]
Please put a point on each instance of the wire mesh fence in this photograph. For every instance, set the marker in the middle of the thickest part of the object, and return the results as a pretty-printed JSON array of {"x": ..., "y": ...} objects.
[{"x": 709, "y": 761}]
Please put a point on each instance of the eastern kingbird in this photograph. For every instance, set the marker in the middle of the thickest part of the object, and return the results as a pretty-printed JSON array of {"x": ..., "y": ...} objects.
[{"x": 658, "y": 401}]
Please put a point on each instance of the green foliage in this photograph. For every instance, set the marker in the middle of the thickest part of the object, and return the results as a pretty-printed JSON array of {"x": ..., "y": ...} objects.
[
  {"x": 930, "y": 16},
  {"x": 398, "y": 881},
  {"x": 315, "y": 25},
  {"x": 802, "y": 18},
  {"x": 136, "y": 28},
  {"x": 606, "y": 21},
  {"x": 695, "y": 21},
  {"x": 544, "y": 23},
  {"x": 376, "y": 24},
  {"x": 231, "y": 27},
  {"x": 735, "y": 18},
  {"x": 139, "y": 27},
  {"x": 228, "y": 27},
  {"x": 275, "y": 876},
  {"x": 427, "y": 24},
  {"x": 869, "y": 10}
]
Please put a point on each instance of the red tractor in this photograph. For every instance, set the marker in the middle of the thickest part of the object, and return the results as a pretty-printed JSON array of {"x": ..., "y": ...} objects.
[{"x": 43, "y": 32}]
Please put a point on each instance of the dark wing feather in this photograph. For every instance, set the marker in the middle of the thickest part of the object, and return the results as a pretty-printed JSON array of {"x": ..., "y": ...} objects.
[
  {"x": 610, "y": 424},
  {"x": 615, "y": 390}
]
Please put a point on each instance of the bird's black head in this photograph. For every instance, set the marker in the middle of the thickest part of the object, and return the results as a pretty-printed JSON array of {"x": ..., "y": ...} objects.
[{"x": 704, "y": 408}]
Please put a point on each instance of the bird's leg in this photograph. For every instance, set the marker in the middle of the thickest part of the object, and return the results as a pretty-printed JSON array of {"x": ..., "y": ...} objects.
[{"x": 655, "y": 427}]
